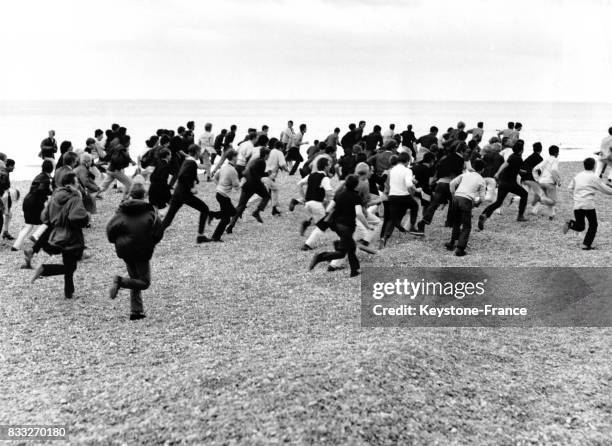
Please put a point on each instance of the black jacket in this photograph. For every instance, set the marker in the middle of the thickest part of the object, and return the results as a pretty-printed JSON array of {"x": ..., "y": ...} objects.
[
  {"x": 135, "y": 229},
  {"x": 34, "y": 201}
]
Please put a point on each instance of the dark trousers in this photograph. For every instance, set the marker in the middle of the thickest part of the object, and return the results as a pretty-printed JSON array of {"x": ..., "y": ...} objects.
[
  {"x": 578, "y": 224},
  {"x": 139, "y": 271},
  {"x": 42, "y": 240},
  {"x": 461, "y": 219},
  {"x": 226, "y": 212},
  {"x": 346, "y": 247},
  {"x": 398, "y": 205},
  {"x": 441, "y": 194},
  {"x": 502, "y": 191},
  {"x": 386, "y": 218},
  {"x": 69, "y": 260},
  {"x": 297, "y": 157},
  {"x": 193, "y": 202},
  {"x": 249, "y": 189}
]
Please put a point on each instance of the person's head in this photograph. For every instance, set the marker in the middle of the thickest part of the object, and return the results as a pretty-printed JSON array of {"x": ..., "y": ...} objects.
[
  {"x": 352, "y": 127},
  {"x": 393, "y": 160},
  {"x": 47, "y": 166},
  {"x": 377, "y": 129},
  {"x": 52, "y": 133},
  {"x": 10, "y": 165},
  {"x": 610, "y": 131},
  {"x": 330, "y": 150},
  {"x": 478, "y": 165},
  {"x": 208, "y": 127},
  {"x": 392, "y": 126},
  {"x": 404, "y": 158},
  {"x": 125, "y": 141},
  {"x": 362, "y": 124},
  {"x": 165, "y": 154},
  {"x": 194, "y": 150},
  {"x": 180, "y": 130},
  {"x": 460, "y": 125},
  {"x": 70, "y": 179},
  {"x": 553, "y": 151},
  {"x": 323, "y": 164},
  {"x": 303, "y": 128},
  {"x": 264, "y": 128},
  {"x": 191, "y": 125},
  {"x": 231, "y": 155},
  {"x": 290, "y": 124},
  {"x": 85, "y": 159},
  {"x": 164, "y": 140},
  {"x": 362, "y": 170},
  {"x": 252, "y": 136},
  {"x": 428, "y": 158},
  {"x": 351, "y": 182},
  {"x": 115, "y": 127},
  {"x": 2, "y": 158},
  {"x": 357, "y": 149},
  {"x": 233, "y": 128},
  {"x": 390, "y": 145},
  {"x": 518, "y": 126},
  {"x": 494, "y": 140},
  {"x": 589, "y": 163},
  {"x": 472, "y": 145},
  {"x": 433, "y": 130},
  {"x": 480, "y": 125},
  {"x": 537, "y": 147},
  {"x": 224, "y": 131},
  {"x": 505, "y": 142},
  {"x": 65, "y": 146},
  {"x": 409, "y": 127},
  {"x": 337, "y": 131},
  {"x": 278, "y": 145},
  {"x": 462, "y": 136},
  {"x": 122, "y": 131},
  {"x": 511, "y": 125},
  {"x": 264, "y": 153},
  {"x": 137, "y": 191},
  {"x": 70, "y": 159},
  {"x": 98, "y": 134},
  {"x": 518, "y": 146},
  {"x": 90, "y": 142}
]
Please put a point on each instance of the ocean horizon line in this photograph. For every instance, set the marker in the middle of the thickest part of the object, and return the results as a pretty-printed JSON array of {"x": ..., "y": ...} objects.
[{"x": 441, "y": 101}]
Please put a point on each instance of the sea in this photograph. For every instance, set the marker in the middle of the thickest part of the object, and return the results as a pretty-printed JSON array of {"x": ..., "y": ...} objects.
[{"x": 577, "y": 128}]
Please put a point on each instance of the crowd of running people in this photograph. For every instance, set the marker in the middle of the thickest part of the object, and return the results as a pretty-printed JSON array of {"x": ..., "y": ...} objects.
[{"x": 383, "y": 181}]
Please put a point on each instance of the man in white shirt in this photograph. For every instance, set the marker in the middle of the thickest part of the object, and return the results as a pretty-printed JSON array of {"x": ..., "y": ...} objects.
[
  {"x": 547, "y": 176},
  {"x": 207, "y": 143},
  {"x": 400, "y": 199},
  {"x": 468, "y": 190},
  {"x": 316, "y": 191},
  {"x": 583, "y": 187},
  {"x": 287, "y": 135},
  {"x": 605, "y": 153},
  {"x": 388, "y": 134},
  {"x": 245, "y": 153},
  {"x": 276, "y": 162}
]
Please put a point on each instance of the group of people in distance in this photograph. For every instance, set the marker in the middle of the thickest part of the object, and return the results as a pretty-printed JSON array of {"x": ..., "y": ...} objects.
[{"x": 381, "y": 179}]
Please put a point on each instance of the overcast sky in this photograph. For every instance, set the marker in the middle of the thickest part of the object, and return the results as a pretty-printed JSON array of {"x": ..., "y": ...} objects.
[{"x": 311, "y": 49}]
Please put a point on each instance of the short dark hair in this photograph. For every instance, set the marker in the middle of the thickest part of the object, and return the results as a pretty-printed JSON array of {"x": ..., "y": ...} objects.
[
  {"x": 322, "y": 163},
  {"x": 610, "y": 130},
  {"x": 47, "y": 166},
  {"x": 264, "y": 128},
  {"x": 233, "y": 128},
  {"x": 115, "y": 127},
  {"x": 472, "y": 144},
  {"x": 165, "y": 139},
  {"x": 302, "y": 127},
  {"x": 351, "y": 182},
  {"x": 89, "y": 141},
  {"x": 518, "y": 147},
  {"x": 208, "y": 126},
  {"x": 392, "y": 126},
  {"x": 163, "y": 153},
  {"x": 70, "y": 158},
  {"x": 290, "y": 122},
  {"x": 537, "y": 147},
  {"x": 336, "y": 130},
  {"x": 190, "y": 124},
  {"x": 64, "y": 146},
  {"x": 361, "y": 122},
  {"x": 377, "y": 128},
  {"x": 478, "y": 164},
  {"x": 518, "y": 125},
  {"x": 181, "y": 129},
  {"x": 10, "y": 162},
  {"x": 589, "y": 164},
  {"x": 352, "y": 126},
  {"x": 428, "y": 157},
  {"x": 480, "y": 125},
  {"x": 433, "y": 129},
  {"x": 403, "y": 157},
  {"x": 193, "y": 149},
  {"x": 263, "y": 152},
  {"x": 68, "y": 178},
  {"x": 510, "y": 125},
  {"x": 98, "y": 132},
  {"x": 231, "y": 154},
  {"x": 553, "y": 150}
]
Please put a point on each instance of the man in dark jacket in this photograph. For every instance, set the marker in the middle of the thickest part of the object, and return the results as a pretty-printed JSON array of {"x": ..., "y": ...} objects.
[
  {"x": 135, "y": 229},
  {"x": 184, "y": 194},
  {"x": 254, "y": 173},
  {"x": 67, "y": 216}
]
